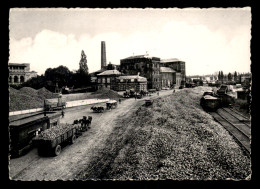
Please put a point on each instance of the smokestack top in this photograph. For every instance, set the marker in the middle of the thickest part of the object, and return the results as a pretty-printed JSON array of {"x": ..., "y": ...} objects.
[{"x": 103, "y": 55}]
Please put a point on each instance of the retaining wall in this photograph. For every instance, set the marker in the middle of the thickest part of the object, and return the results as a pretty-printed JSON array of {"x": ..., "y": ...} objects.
[{"x": 68, "y": 105}]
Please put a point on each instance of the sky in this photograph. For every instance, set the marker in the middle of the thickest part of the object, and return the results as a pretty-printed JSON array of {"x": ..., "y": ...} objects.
[{"x": 208, "y": 40}]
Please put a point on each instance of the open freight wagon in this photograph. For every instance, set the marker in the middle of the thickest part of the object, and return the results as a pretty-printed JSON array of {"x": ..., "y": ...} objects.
[
  {"x": 52, "y": 145},
  {"x": 51, "y": 140}
]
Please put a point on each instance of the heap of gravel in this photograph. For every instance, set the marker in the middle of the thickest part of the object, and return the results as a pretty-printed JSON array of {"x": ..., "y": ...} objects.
[{"x": 27, "y": 98}]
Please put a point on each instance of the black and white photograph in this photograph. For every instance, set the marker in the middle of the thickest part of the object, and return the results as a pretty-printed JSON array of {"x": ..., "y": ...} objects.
[{"x": 130, "y": 94}]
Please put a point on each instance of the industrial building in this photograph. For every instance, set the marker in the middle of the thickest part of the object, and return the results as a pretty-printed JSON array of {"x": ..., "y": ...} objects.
[
  {"x": 178, "y": 66},
  {"x": 148, "y": 67},
  {"x": 169, "y": 77},
  {"x": 159, "y": 73}
]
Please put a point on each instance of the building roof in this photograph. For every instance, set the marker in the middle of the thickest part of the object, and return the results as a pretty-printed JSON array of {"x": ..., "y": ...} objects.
[
  {"x": 98, "y": 71},
  {"x": 110, "y": 72},
  {"x": 167, "y": 70},
  {"x": 16, "y": 64},
  {"x": 139, "y": 78},
  {"x": 170, "y": 60},
  {"x": 140, "y": 56}
]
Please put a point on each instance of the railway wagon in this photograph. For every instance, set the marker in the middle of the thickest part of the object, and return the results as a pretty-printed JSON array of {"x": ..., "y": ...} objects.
[
  {"x": 226, "y": 100},
  {"x": 210, "y": 103},
  {"x": 23, "y": 130},
  {"x": 52, "y": 146},
  {"x": 54, "y": 104}
]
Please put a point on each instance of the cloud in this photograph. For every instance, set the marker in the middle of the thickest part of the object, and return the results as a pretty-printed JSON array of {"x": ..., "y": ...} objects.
[{"x": 204, "y": 51}]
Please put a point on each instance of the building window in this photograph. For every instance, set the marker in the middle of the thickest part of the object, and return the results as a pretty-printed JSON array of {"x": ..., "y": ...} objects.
[
  {"x": 108, "y": 80},
  {"x": 103, "y": 80},
  {"x": 99, "y": 80},
  {"x": 121, "y": 80}
]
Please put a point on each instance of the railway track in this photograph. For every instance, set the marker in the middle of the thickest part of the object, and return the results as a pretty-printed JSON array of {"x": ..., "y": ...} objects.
[
  {"x": 34, "y": 161},
  {"x": 237, "y": 125}
]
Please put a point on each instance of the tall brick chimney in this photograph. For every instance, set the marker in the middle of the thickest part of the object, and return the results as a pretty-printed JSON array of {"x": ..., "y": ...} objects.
[{"x": 103, "y": 54}]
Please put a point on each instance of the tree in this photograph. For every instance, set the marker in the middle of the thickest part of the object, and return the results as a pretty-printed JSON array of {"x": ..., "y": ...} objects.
[
  {"x": 60, "y": 75},
  {"x": 235, "y": 76},
  {"x": 229, "y": 76},
  {"x": 81, "y": 77},
  {"x": 219, "y": 76},
  {"x": 222, "y": 75},
  {"x": 83, "y": 67}
]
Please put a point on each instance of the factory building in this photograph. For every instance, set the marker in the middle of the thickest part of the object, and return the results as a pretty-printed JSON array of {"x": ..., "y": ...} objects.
[
  {"x": 148, "y": 67},
  {"x": 178, "y": 66},
  {"x": 159, "y": 72}
]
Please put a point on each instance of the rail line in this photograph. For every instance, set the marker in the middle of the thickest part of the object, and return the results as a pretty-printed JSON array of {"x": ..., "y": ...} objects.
[
  {"x": 237, "y": 126},
  {"x": 34, "y": 160},
  {"x": 239, "y": 116}
]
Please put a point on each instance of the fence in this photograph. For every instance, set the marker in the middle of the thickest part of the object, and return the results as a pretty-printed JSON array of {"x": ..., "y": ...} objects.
[{"x": 68, "y": 105}]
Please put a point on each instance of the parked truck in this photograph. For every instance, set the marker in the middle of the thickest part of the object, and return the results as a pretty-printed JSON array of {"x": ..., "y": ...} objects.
[{"x": 54, "y": 104}]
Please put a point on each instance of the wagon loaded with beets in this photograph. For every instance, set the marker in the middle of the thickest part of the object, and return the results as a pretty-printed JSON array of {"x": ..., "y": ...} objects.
[{"x": 50, "y": 141}]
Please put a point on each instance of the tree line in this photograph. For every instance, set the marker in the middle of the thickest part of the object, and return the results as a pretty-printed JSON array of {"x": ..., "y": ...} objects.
[
  {"x": 61, "y": 77},
  {"x": 229, "y": 77}
]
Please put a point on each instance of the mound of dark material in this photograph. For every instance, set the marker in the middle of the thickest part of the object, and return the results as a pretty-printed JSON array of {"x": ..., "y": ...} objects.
[
  {"x": 27, "y": 98},
  {"x": 106, "y": 93}
]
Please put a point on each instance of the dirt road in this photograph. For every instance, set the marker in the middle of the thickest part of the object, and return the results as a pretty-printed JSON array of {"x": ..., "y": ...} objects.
[{"x": 74, "y": 158}]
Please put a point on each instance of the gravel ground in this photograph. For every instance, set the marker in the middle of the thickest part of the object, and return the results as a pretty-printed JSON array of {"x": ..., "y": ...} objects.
[{"x": 173, "y": 139}]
